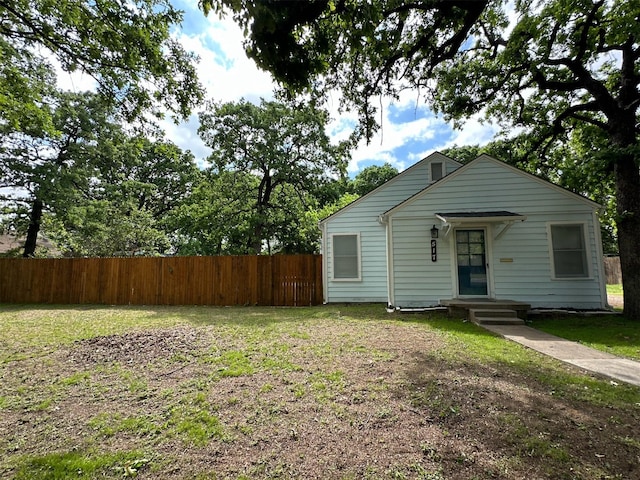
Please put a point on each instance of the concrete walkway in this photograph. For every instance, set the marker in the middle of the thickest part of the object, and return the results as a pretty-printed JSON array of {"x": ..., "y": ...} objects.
[{"x": 571, "y": 352}]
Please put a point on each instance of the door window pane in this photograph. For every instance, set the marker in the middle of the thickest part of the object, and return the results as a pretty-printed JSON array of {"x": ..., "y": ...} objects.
[
  {"x": 472, "y": 272},
  {"x": 476, "y": 248},
  {"x": 476, "y": 260}
]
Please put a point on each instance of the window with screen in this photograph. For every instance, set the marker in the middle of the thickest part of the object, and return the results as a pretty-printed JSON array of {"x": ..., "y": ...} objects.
[
  {"x": 346, "y": 257},
  {"x": 569, "y": 251}
]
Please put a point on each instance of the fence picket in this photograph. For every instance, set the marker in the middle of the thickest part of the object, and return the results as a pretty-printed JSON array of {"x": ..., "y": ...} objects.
[{"x": 280, "y": 280}]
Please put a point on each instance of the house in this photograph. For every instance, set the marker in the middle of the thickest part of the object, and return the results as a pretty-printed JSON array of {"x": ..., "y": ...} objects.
[{"x": 441, "y": 230}]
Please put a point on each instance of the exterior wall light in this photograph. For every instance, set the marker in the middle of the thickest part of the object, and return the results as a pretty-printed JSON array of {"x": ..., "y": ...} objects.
[{"x": 434, "y": 232}]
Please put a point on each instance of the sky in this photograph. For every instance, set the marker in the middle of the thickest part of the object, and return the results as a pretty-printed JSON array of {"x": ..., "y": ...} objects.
[{"x": 410, "y": 131}]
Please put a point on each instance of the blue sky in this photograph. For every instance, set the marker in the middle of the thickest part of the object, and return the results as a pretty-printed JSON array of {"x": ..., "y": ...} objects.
[{"x": 410, "y": 131}]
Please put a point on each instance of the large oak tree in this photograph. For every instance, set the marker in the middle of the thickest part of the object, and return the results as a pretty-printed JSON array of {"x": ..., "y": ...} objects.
[
  {"x": 285, "y": 149},
  {"x": 555, "y": 66}
]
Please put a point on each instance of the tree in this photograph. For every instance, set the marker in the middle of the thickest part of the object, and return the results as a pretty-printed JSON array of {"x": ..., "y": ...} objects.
[
  {"x": 359, "y": 47},
  {"x": 285, "y": 147},
  {"x": 216, "y": 218},
  {"x": 106, "y": 191},
  {"x": 125, "y": 45},
  {"x": 41, "y": 166},
  {"x": 26, "y": 81},
  {"x": 562, "y": 65},
  {"x": 137, "y": 184},
  {"x": 372, "y": 177}
]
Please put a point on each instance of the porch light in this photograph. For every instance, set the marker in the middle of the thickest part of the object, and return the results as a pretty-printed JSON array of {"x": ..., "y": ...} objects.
[{"x": 434, "y": 232}]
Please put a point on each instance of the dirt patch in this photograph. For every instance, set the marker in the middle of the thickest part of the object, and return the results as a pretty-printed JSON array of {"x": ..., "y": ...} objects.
[
  {"x": 329, "y": 399},
  {"x": 616, "y": 301},
  {"x": 140, "y": 348}
]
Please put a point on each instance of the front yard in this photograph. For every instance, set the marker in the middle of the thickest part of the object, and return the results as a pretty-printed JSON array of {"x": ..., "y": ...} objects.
[{"x": 326, "y": 392}]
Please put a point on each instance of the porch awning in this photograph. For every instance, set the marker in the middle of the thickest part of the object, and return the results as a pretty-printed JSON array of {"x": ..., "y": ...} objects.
[{"x": 497, "y": 218}]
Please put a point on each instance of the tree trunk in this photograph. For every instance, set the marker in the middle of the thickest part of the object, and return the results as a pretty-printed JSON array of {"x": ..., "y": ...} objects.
[
  {"x": 34, "y": 228},
  {"x": 628, "y": 200}
]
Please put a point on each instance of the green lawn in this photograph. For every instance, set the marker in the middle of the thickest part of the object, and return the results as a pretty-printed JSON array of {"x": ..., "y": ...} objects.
[
  {"x": 614, "y": 289},
  {"x": 327, "y": 392},
  {"x": 612, "y": 333}
]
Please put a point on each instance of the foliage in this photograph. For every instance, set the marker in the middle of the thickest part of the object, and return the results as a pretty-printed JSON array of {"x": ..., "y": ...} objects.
[
  {"x": 25, "y": 82},
  {"x": 102, "y": 190},
  {"x": 361, "y": 48},
  {"x": 126, "y": 46},
  {"x": 277, "y": 156},
  {"x": 372, "y": 177},
  {"x": 216, "y": 218},
  {"x": 138, "y": 182}
]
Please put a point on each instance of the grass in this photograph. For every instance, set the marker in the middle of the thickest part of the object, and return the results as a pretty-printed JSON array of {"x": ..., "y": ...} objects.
[
  {"x": 80, "y": 465},
  {"x": 614, "y": 289},
  {"x": 213, "y": 383},
  {"x": 613, "y": 334}
]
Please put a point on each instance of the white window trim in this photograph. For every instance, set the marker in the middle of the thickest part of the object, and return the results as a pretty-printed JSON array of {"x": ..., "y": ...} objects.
[
  {"x": 585, "y": 234},
  {"x": 442, "y": 166},
  {"x": 346, "y": 234}
]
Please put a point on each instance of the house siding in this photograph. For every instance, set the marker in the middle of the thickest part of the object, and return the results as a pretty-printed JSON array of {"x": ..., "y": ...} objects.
[
  {"x": 362, "y": 217},
  {"x": 525, "y": 273},
  {"x": 417, "y": 280}
]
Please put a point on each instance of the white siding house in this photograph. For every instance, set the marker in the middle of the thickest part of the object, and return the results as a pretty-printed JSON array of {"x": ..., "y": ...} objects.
[{"x": 501, "y": 234}]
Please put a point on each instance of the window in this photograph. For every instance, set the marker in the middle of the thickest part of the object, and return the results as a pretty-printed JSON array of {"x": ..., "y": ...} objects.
[
  {"x": 346, "y": 256},
  {"x": 437, "y": 171},
  {"x": 569, "y": 251}
]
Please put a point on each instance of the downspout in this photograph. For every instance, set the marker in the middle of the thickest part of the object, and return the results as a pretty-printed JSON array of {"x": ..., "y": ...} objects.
[
  {"x": 384, "y": 220},
  {"x": 600, "y": 262},
  {"x": 323, "y": 247}
]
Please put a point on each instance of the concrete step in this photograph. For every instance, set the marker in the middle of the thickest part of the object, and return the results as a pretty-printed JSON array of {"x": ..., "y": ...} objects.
[
  {"x": 494, "y": 316},
  {"x": 498, "y": 321},
  {"x": 492, "y": 312}
]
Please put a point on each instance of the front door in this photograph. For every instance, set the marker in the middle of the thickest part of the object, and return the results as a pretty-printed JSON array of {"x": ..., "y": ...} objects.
[{"x": 472, "y": 264}]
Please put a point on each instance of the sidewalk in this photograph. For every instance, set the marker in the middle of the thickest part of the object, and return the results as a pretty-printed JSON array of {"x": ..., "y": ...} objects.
[{"x": 571, "y": 352}]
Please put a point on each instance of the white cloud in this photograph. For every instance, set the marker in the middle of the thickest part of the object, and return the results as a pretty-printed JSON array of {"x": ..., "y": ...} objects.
[
  {"x": 75, "y": 82},
  {"x": 228, "y": 75},
  {"x": 473, "y": 132},
  {"x": 225, "y": 72}
]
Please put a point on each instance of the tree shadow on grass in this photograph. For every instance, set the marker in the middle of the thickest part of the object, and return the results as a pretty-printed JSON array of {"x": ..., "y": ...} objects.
[{"x": 536, "y": 423}]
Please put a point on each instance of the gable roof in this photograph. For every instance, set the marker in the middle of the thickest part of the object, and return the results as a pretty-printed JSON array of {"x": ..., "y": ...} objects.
[
  {"x": 389, "y": 183},
  {"x": 485, "y": 157}
]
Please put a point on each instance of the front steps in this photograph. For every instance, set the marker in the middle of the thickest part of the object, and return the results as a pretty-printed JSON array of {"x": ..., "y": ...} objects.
[
  {"x": 494, "y": 316},
  {"x": 492, "y": 311}
]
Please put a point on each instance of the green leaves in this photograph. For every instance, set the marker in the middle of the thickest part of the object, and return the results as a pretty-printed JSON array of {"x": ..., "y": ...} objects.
[
  {"x": 106, "y": 191},
  {"x": 269, "y": 163},
  {"x": 125, "y": 46}
]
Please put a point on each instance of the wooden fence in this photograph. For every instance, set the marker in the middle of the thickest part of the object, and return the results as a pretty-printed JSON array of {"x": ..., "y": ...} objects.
[
  {"x": 281, "y": 280},
  {"x": 612, "y": 270}
]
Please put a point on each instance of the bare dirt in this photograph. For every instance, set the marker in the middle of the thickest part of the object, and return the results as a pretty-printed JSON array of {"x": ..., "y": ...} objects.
[
  {"x": 328, "y": 402},
  {"x": 616, "y": 301}
]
